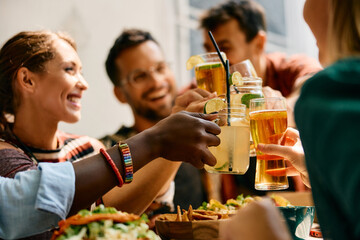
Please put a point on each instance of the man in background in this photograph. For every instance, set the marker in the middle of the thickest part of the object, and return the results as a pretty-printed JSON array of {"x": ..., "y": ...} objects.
[
  {"x": 239, "y": 28},
  {"x": 142, "y": 78}
]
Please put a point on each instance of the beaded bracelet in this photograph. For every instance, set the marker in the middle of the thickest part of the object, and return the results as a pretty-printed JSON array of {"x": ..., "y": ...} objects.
[
  {"x": 113, "y": 166},
  {"x": 128, "y": 165}
]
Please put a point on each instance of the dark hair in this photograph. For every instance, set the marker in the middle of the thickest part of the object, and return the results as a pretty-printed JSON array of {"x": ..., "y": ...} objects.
[
  {"x": 127, "y": 39},
  {"x": 249, "y": 15},
  {"x": 30, "y": 49}
]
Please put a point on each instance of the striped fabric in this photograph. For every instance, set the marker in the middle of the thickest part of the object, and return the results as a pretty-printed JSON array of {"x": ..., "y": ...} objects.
[{"x": 71, "y": 148}]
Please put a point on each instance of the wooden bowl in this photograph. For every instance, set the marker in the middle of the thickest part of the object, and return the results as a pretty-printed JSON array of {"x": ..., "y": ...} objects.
[{"x": 201, "y": 229}]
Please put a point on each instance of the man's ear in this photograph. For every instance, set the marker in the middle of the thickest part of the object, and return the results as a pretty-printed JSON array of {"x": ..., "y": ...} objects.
[
  {"x": 120, "y": 94},
  {"x": 25, "y": 80},
  {"x": 259, "y": 42}
]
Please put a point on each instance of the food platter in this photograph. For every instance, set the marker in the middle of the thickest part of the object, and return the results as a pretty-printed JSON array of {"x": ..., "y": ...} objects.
[{"x": 204, "y": 223}]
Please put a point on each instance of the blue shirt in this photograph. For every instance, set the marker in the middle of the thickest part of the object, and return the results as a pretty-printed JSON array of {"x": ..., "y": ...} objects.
[{"x": 34, "y": 201}]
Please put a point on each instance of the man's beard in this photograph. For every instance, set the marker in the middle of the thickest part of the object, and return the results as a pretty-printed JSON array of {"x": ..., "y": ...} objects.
[{"x": 153, "y": 115}]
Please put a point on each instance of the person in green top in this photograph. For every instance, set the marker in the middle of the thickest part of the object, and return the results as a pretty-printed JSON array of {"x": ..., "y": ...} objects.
[{"x": 327, "y": 114}]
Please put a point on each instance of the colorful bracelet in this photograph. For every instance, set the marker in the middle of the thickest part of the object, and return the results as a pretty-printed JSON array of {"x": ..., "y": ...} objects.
[
  {"x": 128, "y": 165},
  {"x": 113, "y": 166}
]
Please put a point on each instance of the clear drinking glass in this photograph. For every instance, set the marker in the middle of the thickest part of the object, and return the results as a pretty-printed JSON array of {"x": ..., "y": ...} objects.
[
  {"x": 250, "y": 87},
  {"x": 210, "y": 74},
  {"x": 245, "y": 68},
  {"x": 232, "y": 154},
  {"x": 268, "y": 122}
]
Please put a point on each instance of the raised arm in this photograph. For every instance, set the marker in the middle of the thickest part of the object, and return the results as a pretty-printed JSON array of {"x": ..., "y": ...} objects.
[{"x": 172, "y": 138}]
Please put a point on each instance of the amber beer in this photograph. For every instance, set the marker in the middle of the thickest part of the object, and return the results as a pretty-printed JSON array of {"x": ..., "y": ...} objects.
[
  {"x": 267, "y": 126},
  {"x": 211, "y": 77}
]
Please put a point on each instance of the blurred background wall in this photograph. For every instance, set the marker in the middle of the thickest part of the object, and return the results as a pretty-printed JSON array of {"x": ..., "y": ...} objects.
[{"x": 95, "y": 24}]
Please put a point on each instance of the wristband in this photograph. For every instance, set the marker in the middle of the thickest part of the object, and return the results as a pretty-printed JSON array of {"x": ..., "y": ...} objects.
[
  {"x": 113, "y": 166},
  {"x": 128, "y": 164}
]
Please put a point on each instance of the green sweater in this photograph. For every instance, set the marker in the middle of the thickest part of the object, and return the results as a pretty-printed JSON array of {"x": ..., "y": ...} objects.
[{"x": 328, "y": 117}]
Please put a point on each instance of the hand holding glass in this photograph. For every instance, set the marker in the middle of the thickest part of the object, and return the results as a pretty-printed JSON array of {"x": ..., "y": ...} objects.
[{"x": 268, "y": 122}]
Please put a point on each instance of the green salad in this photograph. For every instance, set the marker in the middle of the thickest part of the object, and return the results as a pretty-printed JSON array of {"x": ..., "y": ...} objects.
[{"x": 104, "y": 223}]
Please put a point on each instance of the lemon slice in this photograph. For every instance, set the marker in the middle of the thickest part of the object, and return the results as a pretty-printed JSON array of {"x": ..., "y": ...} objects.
[
  {"x": 193, "y": 61},
  {"x": 236, "y": 79},
  {"x": 214, "y": 105}
]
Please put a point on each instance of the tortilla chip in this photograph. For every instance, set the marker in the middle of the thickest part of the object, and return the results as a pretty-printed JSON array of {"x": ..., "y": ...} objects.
[
  {"x": 198, "y": 216},
  {"x": 190, "y": 213},
  {"x": 178, "y": 217}
]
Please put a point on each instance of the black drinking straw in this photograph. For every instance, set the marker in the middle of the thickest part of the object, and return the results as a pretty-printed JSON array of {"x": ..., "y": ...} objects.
[
  {"x": 227, "y": 76},
  {"x": 217, "y": 48},
  {"x": 227, "y": 73}
]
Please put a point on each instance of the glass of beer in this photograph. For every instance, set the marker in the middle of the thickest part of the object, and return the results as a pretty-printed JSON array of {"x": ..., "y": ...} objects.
[
  {"x": 232, "y": 154},
  {"x": 268, "y": 122},
  {"x": 210, "y": 73}
]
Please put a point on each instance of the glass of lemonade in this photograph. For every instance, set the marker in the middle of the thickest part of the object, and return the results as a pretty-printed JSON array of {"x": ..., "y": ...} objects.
[
  {"x": 210, "y": 73},
  {"x": 232, "y": 154},
  {"x": 268, "y": 122},
  {"x": 243, "y": 91}
]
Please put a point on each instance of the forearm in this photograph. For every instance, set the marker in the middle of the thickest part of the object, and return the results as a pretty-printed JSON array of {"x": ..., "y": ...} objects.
[
  {"x": 95, "y": 177},
  {"x": 290, "y": 101},
  {"x": 148, "y": 183},
  {"x": 172, "y": 138}
]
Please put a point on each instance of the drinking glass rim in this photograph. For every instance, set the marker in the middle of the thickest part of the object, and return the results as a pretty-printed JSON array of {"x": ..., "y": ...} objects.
[
  {"x": 264, "y": 99},
  {"x": 251, "y": 80},
  {"x": 211, "y": 55},
  {"x": 253, "y": 102}
]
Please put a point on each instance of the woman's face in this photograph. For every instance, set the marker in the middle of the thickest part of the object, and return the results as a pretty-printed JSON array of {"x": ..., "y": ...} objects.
[
  {"x": 316, "y": 13},
  {"x": 59, "y": 89}
]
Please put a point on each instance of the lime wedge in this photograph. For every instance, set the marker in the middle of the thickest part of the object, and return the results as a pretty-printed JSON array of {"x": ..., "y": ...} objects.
[
  {"x": 245, "y": 99},
  {"x": 236, "y": 79},
  {"x": 214, "y": 105},
  {"x": 209, "y": 66},
  {"x": 221, "y": 167},
  {"x": 193, "y": 61}
]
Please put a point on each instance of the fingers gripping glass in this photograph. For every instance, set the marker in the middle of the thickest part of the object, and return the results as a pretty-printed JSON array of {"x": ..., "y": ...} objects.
[{"x": 140, "y": 77}]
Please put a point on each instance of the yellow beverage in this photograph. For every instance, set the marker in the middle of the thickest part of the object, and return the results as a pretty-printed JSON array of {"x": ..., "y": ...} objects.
[
  {"x": 268, "y": 126},
  {"x": 232, "y": 154},
  {"x": 242, "y": 94},
  {"x": 211, "y": 77}
]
